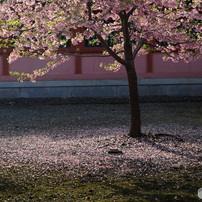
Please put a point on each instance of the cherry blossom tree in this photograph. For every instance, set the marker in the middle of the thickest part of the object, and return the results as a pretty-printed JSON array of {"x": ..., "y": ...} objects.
[{"x": 135, "y": 27}]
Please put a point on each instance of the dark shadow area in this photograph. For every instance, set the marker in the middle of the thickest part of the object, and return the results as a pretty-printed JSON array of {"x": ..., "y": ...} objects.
[
  {"x": 58, "y": 118},
  {"x": 8, "y": 186},
  {"x": 69, "y": 116},
  {"x": 97, "y": 100}
]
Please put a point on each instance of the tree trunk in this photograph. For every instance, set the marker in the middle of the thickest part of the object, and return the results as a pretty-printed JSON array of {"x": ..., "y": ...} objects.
[{"x": 135, "y": 124}]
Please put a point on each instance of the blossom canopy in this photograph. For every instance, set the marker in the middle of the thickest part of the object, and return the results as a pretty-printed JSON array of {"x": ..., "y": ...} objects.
[{"x": 40, "y": 28}]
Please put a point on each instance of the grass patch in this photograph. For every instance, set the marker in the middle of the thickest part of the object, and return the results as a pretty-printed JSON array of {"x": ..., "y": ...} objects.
[{"x": 22, "y": 184}]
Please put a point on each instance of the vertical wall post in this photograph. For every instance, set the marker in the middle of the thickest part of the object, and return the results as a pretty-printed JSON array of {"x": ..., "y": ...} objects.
[{"x": 149, "y": 62}]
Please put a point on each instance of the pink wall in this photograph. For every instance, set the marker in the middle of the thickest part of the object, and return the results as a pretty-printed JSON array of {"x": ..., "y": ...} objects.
[
  {"x": 90, "y": 68},
  {"x": 141, "y": 64},
  {"x": 92, "y": 65},
  {"x": 166, "y": 67},
  {"x": 28, "y": 65}
]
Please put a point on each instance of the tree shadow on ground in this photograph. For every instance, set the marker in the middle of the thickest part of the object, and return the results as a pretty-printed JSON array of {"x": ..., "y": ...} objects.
[{"x": 179, "y": 153}]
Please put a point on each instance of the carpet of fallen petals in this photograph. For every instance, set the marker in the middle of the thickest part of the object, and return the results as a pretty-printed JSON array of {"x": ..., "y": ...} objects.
[{"x": 76, "y": 138}]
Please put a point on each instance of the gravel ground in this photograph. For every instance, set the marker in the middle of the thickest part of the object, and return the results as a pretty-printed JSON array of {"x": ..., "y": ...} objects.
[{"x": 77, "y": 137}]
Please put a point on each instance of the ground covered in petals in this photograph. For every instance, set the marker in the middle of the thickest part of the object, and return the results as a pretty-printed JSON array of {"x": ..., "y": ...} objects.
[{"x": 74, "y": 140}]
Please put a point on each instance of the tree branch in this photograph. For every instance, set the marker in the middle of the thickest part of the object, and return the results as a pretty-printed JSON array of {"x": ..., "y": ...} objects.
[
  {"x": 138, "y": 47},
  {"x": 131, "y": 11},
  {"x": 126, "y": 35},
  {"x": 100, "y": 38},
  {"x": 89, "y": 4},
  {"x": 109, "y": 50}
]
